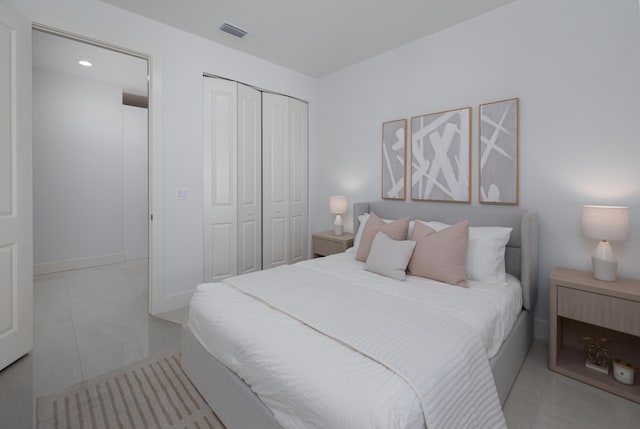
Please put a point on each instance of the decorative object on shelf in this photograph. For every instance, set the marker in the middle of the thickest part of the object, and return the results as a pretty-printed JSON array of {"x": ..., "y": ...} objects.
[
  {"x": 598, "y": 356},
  {"x": 623, "y": 371},
  {"x": 338, "y": 205},
  {"x": 394, "y": 155},
  {"x": 441, "y": 156},
  {"x": 499, "y": 151},
  {"x": 606, "y": 223}
]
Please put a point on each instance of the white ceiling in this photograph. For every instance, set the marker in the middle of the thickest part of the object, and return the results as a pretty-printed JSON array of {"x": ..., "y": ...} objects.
[
  {"x": 315, "y": 37},
  {"x": 61, "y": 54}
]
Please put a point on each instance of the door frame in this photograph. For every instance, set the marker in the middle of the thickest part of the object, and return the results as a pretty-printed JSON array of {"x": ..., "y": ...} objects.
[{"x": 154, "y": 163}]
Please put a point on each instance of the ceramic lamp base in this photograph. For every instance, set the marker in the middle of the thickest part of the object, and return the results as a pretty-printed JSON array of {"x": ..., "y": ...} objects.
[
  {"x": 604, "y": 262},
  {"x": 338, "y": 228},
  {"x": 604, "y": 270}
]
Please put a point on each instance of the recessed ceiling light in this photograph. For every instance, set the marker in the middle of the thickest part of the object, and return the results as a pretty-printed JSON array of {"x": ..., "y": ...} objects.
[{"x": 85, "y": 63}]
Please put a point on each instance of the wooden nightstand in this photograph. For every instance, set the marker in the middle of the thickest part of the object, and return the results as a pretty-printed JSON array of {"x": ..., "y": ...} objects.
[
  {"x": 579, "y": 306},
  {"x": 327, "y": 243}
]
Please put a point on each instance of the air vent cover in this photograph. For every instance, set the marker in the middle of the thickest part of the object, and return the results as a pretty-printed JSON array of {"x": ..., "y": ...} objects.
[{"x": 233, "y": 30}]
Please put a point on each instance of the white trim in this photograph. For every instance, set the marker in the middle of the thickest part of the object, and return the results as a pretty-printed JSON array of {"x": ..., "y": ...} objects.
[
  {"x": 178, "y": 300},
  {"x": 76, "y": 264},
  {"x": 156, "y": 254},
  {"x": 541, "y": 330}
]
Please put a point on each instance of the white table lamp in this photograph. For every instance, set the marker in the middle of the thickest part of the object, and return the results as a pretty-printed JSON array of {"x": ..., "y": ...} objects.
[
  {"x": 338, "y": 205},
  {"x": 606, "y": 223}
]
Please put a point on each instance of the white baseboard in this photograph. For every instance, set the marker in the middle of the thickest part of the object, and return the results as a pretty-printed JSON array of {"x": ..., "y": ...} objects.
[
  {"x": 541, "y": 330},
  {"x": 178, "y": 300},
  {"x": 76, "y": 264}
]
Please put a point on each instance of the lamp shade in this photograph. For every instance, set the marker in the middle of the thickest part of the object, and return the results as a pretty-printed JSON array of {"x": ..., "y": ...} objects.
[
  {"x": 338, "y": 205},
  {"x": 605, "y": 222}
]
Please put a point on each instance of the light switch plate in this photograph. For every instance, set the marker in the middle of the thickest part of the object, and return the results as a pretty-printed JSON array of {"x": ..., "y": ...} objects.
[{"x": 182, "y": 193}]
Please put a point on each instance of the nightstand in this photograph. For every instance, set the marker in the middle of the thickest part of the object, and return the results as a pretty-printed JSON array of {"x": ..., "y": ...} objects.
[
  {"x": 327, "y": 243},
  {"x": 580, "y": 306}
]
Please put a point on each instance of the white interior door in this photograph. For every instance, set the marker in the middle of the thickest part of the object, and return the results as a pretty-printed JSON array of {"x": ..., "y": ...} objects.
[
  {"x": 275, "y": 186},
  {"x": 16, "y": 193},
  {"x": 299, "y": 238},
  {"x": 249, "y": 179},
  {"x": 220, "y": 179},
  {"x": 136, "y": 178}
]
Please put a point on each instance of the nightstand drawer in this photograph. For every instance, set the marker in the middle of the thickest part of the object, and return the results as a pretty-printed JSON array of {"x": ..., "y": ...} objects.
[
  {"x": 327, "y": 243},
  {"x": 325, "y": 247},
  {"x": 610, "y": 312}
]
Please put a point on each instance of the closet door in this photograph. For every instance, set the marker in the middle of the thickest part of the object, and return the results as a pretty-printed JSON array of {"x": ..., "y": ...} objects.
[
  {"x": 249, "y": 179},
  {"x": 275, "y": 187},
  {"x": 220, "y": 184},
  {"x": 298, "y": 236}
]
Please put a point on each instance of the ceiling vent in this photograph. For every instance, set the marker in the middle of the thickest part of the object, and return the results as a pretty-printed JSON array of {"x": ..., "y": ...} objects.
[{"x": 233, "y": 30}]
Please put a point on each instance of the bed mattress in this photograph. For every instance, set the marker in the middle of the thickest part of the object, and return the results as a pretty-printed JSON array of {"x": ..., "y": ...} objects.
[{"x": 280, "y": 358}]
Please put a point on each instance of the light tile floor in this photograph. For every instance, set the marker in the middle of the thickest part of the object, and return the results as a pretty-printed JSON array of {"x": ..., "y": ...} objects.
[
  {"x": 86, "y": 322},
  {"x": 543, "y": 399},
  {"x": 91, "y": 321}
]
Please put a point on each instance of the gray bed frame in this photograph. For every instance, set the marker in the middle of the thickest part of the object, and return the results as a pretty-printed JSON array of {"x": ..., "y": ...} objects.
[{"x": 239, "y": 408}]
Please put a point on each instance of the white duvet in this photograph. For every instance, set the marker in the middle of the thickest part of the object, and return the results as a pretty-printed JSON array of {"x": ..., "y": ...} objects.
[{"x": 310, "y": 380}]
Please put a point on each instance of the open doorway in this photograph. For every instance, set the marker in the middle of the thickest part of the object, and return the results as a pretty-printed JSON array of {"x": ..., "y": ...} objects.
[{"x": 90, "y": 157}]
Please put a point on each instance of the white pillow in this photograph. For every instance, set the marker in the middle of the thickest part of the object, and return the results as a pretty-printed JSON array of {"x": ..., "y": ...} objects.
[
  {"x": 485, "y": 255},
  {"x": 389, "y": 257},
  {"x": 363, "y": 218}
]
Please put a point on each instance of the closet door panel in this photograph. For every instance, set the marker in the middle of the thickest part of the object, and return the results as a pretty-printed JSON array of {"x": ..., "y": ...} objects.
[
  {"x": 297, "y": 233},
  {"x": 275, "y": 158},
  {"x": 220, "y": 184},
  {"x": 277, "y": 252},
  {"x": 223, "y": 236},
  {"x": 298, "y": 212},
  {"x": 249, "y": 179}
]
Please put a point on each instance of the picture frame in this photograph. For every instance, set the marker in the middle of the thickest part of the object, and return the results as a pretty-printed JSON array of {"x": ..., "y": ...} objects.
[
  {"x": 441, "y": 156},
  {"x": 499, "y": 147},
  {"x": 394, "y": 156}
]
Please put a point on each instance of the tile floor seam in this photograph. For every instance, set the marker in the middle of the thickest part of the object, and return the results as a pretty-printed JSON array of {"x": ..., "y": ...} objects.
[{"x": 73, "y": 325}]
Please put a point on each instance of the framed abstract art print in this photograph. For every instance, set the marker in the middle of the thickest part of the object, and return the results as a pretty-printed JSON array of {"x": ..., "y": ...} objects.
[
  {"x": 498, "y": 154},
  {"x": 441, "y": 156},
  {"x": 394, "y": 148}
]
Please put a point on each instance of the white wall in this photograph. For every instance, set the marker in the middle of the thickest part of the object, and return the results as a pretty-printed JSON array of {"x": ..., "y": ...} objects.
[
  {"x": 135, "y": 183},
  {"x": 178, "y": 62},
  {"x": 575, "y": 65},
  {"x": 77, "y": 168}
]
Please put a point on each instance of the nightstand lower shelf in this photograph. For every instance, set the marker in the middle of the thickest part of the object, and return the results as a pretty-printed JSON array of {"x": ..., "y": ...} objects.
[{"x": 571, "y": 361}]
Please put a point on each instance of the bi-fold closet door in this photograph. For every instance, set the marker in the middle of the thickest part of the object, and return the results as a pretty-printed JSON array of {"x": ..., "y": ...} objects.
[
  {"x": 232, "y": 179},
  {"x": 284, "y": 145},
  {"x": 255, "y": 154}
]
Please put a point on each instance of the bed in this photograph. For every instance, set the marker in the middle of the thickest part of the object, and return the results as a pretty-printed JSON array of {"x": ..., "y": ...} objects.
[{"x": 213, "y": 364}]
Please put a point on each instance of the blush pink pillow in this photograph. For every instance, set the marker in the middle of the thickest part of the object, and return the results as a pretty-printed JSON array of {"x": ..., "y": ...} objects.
[
  {"x": 442, "y": 255},
  {"x": 397, "y": 230}
]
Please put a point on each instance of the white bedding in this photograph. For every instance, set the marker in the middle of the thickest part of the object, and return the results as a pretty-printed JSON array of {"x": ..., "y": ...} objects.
[{"x": 352, "y": 390}]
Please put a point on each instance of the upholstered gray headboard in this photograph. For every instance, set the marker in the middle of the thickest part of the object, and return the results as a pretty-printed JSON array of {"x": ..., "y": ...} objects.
[{"x": 521, "y": 256}]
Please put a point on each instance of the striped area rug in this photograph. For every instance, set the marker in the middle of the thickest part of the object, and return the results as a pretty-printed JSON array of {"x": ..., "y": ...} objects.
[{"x": 151, "y": 393}]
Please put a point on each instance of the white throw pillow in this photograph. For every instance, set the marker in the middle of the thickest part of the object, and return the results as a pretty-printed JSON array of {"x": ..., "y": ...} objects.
[
  {"x": 389, "y": 257},
  {"x": 485, "y": 255}
]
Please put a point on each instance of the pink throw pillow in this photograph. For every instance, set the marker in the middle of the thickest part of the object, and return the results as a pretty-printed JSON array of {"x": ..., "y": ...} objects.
[
  {"x": 397, "y": 230},
  {"x": 442, "y": 255}
]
